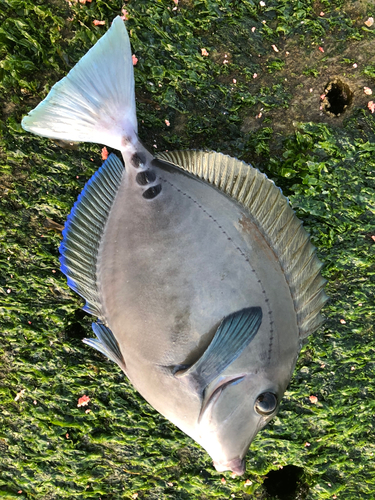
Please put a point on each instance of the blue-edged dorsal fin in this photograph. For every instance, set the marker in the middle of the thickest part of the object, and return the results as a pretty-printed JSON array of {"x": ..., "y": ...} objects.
[
  {"x": 106, "y": 344},
  {"x": 275, "y": 219},
  {"x": 95, "y": 102},
  {"x": 234, "y": 333},
  {"x": 83, "y": 231}
]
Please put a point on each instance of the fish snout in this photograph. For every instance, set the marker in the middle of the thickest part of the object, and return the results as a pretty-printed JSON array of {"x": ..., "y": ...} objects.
[{"x": 237, "y": 465}]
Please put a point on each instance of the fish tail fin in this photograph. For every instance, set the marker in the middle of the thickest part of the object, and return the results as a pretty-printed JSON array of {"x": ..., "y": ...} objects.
[{"x": 95, "y": 102}]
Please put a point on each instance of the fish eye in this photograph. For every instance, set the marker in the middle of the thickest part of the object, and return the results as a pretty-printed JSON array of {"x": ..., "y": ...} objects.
[{"x": 266, "y": 403}]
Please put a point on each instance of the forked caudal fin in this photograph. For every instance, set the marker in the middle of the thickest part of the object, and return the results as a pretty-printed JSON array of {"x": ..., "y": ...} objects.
[{"x": 95, "y": 102}]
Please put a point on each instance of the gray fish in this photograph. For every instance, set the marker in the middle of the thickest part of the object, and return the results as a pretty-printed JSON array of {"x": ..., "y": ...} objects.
[{"x": 203, "y": 279}]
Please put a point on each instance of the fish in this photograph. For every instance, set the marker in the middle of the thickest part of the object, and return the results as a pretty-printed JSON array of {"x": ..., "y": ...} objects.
[{"x": 203, "y": 281}]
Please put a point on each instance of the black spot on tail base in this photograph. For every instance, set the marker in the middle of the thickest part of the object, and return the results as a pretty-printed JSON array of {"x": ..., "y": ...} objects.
[
  {"x": 145, "y": 177},
  {"x": 138, "y": 160},
  {"x": 152, "y": 192}
]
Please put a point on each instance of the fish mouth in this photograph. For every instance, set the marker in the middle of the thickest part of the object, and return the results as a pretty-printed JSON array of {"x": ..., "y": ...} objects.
[{"x": 236, "y": 465}]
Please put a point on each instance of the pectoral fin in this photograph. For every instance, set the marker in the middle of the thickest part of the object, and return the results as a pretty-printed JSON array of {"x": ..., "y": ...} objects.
[{"x": 235, "y": 333}]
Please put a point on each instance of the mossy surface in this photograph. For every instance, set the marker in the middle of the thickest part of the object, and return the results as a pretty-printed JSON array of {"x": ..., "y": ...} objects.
[{"x": 244, "y": 99}]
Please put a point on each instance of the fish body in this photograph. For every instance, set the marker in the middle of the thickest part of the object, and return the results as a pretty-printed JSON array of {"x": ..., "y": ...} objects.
[{"x": 203, "y": 280}]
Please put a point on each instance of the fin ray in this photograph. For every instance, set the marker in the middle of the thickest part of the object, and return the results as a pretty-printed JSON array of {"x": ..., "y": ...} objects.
[
  {"x": 234, "y": 333},
  {"x": 83, "y": 231},
  {"x": 95, "y": 102},
  {"x": 106, "y": 343},
  {"x": 274, "y": 217}
]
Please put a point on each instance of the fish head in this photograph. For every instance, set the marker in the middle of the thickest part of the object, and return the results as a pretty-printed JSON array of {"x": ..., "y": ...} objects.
[
  {"x": 241, "y": 380},
  {"x": 235, "y": 408}
]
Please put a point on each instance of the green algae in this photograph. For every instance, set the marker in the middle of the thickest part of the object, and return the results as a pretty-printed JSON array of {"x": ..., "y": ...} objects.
[{"x": 50, "y": 447}]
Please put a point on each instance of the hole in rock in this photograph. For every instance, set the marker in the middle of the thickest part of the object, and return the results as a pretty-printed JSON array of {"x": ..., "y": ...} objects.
[
  {"x": 338, "y": 97},
  {"x": 285, "y": 483},
  {"x": 74, "y": 328},
  {"x": 75, "y": 331}
]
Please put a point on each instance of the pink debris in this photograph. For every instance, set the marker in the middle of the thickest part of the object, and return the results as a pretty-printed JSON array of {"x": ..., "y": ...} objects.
[
  {"x": 98, "y": 23},
  {"x": 275, "y": 48},
  {"x": 371, "y": 107},
  {"x": 367, "y": 90},
  {"x": 313, "y": 399},
  {"x": 125, "y": 15},
  {"x": 134, "y": 59},
  {"x": 321, "y": 49},
  {"x": 167, "y": 122},
  {"x": 83, "y": 401},
  {"x": 104, "y": 153},
  {"x": 321, "y": 14},
  {"x": 204, "y": 52},
  {"x": 369, "y": 22}
]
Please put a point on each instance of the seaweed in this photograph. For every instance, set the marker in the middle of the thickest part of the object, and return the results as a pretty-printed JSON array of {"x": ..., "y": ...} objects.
[{"x": 255, "y": 93}]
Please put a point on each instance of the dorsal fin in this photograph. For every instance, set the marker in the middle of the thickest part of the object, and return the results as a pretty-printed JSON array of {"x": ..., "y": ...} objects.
[
  {"x": 83, "y": 230},
  {"x": 274, "y": 217}
]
